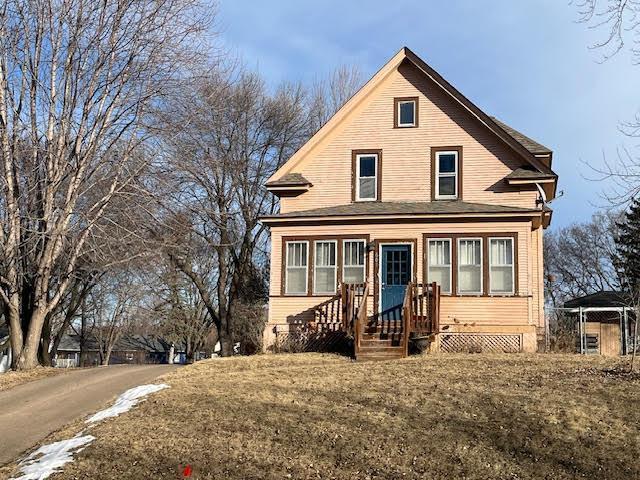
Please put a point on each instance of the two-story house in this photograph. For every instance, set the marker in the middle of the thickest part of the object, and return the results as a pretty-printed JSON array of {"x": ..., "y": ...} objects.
[{"x": 412, "y": 212}]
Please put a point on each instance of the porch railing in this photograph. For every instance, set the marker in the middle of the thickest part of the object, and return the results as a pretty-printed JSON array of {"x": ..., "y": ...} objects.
[
  {"x": 420, "y": 311},
  {"x": 339, "y": 312}
]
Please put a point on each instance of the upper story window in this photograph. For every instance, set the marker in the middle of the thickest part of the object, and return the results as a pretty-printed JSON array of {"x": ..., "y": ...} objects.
[
  {"x": 366, "y": 186},
  {"x": 447, "y": 173},
  {"x": 405, "y": 112},
  {"x": 501, "y": 266},
  {"x": 296, "y": 281}
]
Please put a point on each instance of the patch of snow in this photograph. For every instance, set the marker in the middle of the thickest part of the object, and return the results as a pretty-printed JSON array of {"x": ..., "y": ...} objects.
[
  {"x": 49, "y": 459},
  {"x": 126, "y": 401}
]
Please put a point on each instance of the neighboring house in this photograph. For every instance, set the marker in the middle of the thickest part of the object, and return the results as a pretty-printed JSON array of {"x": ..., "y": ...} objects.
[
  {"x": 5, "y": 349},
  {"x": 129, "y": 349},
  {"x": 605, "y": 323},
  {"x": 408, "y": 184}
]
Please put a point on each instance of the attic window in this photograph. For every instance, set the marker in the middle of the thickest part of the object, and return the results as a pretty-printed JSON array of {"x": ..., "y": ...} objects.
[{"x": 406, "y": 112}]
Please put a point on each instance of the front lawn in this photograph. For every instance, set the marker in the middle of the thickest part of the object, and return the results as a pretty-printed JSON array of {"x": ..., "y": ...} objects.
[
  {"x": 315, "y": 416},
  {"x": 12, "y": 379}
]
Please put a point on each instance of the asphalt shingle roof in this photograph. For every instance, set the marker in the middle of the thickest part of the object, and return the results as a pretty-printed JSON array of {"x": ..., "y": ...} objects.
[
  {"x": 403, "y": 208},
  {"x": 528, "y": 143}
]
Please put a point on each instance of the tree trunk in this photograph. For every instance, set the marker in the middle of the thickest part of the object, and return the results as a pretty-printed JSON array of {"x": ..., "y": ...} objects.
[
  {"x": 45, "y": 343},
  {"x": 28, "y": 358}
]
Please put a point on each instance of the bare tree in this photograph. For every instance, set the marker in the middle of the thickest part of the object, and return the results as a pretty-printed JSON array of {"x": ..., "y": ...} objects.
[
  {"x": 232, "y": 134},
  {"x": 328, "y": 95},
  {"x": 77, "y": 81},
  {"x": 581, "y": 259},
  {"x": 115, "y": 304}
]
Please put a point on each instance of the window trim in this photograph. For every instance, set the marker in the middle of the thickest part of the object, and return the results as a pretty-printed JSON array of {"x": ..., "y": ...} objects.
[
  {"x": 428, "y": 269},
  {"x": 335, "y": 267},
  {"x": 396, "y": 112},
  {"x": 355, "y": 174},
  {"x": 513, "y": 262},
  {"x": 482, "y": 267},
  {"x": 435, "y": 167},
  {"x": 344, "y": 251},
  {"x": 485, "y": 270},
  {"x": 281, "y": 292},
  {"x": 286, "y": 268}
]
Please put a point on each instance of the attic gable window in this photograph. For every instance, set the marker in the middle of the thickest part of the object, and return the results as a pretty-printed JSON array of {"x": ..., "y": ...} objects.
[
  {"x": 405, "y": 112},
  {"x": 446, "y": 173},
  {"x": 366, "y": 175}
]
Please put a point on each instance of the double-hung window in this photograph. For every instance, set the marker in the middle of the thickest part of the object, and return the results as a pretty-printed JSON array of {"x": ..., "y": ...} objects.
[
  {"x": 297, "y": 255},
  {"x": 470, "y": 266},
  {"x": 325, "y": 267},
  {"x": 447, "y": 167},
  {"x": 354, "y": 261},
  {"x": 501, "y": 266},
  {"x": 439, "y": 263},
  {"x": 406, "y": 114},
  {"x": 367, "y": 177}
]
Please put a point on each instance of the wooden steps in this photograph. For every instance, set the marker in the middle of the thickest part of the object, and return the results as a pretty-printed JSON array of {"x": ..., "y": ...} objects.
[{"x": 374, "y": 348}]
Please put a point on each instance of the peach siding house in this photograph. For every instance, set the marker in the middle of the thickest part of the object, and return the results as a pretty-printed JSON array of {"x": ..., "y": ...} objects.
[{"x": 411, "y": 213}]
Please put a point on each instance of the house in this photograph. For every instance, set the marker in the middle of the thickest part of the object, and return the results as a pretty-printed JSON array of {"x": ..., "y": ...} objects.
[
  {"x": 411, "y": 213},
  {"x": 605, "y": 323},
  {"x": 129, "y": 349}
]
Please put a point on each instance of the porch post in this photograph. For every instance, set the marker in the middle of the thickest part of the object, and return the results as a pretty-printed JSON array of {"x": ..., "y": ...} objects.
[{"x": 580, "y": 330}]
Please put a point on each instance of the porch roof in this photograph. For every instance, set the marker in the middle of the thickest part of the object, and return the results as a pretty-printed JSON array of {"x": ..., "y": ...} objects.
[{"x": 404, "y": 208}]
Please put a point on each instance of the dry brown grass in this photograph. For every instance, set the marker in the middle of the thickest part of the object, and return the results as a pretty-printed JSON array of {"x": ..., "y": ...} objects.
[
  {"x": 11, "y": 379},
  {"x": 314, "y": 416}
]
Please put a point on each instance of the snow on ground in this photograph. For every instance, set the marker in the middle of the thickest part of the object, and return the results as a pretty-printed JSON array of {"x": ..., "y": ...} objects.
[
  {"x": 50, "y": 459},
  {"x": 126, "y": 401}
]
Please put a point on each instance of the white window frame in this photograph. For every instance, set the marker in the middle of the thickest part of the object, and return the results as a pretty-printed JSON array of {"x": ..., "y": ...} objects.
[
  {"x": 315, "y": 266},
  {"x": 438, "y": 239},
  {"x": 286, "y": 266},
  {"x": 481, "y": 292},
  {"x": 344, "y": 253},
  {"x": 402, "y": 102},
  {"x": 453, "y": 174},
  {"x": 513, "y": 267},
  {"x": 359, "y": 156}
]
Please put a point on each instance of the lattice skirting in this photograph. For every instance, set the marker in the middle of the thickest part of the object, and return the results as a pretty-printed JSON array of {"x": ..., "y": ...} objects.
[
  {"x": 315, "y": 341},
  {"x": 480, "y": 342}
]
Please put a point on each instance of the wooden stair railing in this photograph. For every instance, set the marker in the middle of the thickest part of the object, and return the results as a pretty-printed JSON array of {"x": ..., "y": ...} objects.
[
  {"x": 407, "y": 316},
  {"x": 360, "y": 319},
  {"x": 426, "y": 308}
]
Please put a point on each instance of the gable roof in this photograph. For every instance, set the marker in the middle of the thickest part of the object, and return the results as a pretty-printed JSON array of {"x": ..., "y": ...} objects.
[{"x": 405, "y": 54}]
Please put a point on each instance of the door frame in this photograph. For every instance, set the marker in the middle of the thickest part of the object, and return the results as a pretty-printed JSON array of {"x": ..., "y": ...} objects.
[{"x": 413, "y": 244}]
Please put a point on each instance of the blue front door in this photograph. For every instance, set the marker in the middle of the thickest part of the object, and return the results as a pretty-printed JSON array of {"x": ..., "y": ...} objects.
[{"x": 395, "y": 266}]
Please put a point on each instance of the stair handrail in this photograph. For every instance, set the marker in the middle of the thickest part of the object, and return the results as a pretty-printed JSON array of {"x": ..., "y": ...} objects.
[
  {"x": 407, "y": 316},
  {"x": 361, "y": 317}
]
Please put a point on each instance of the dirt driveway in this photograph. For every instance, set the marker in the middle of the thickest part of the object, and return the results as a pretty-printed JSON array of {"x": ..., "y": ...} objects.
[{"x": 30, "y": 412}]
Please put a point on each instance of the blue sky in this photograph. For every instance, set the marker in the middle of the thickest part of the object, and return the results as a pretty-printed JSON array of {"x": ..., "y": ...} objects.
[{"x": 528, "y": 63}]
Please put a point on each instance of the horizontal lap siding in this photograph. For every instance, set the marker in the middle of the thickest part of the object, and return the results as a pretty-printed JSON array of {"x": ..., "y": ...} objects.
[
  {"x": 406, "y": 157},
  {"x": 494, "y": 310}
]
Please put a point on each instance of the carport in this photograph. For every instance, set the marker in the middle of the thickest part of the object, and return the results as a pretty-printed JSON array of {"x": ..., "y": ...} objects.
[{"x": 606, "y": 323}]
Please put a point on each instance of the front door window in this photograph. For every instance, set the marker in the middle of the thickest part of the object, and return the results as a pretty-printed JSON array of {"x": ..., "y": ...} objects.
[{"x": 395, "y": 275}]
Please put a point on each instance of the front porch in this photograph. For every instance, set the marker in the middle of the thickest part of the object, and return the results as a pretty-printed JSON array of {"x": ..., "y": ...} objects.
[{"x": 380, "y": 335}]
